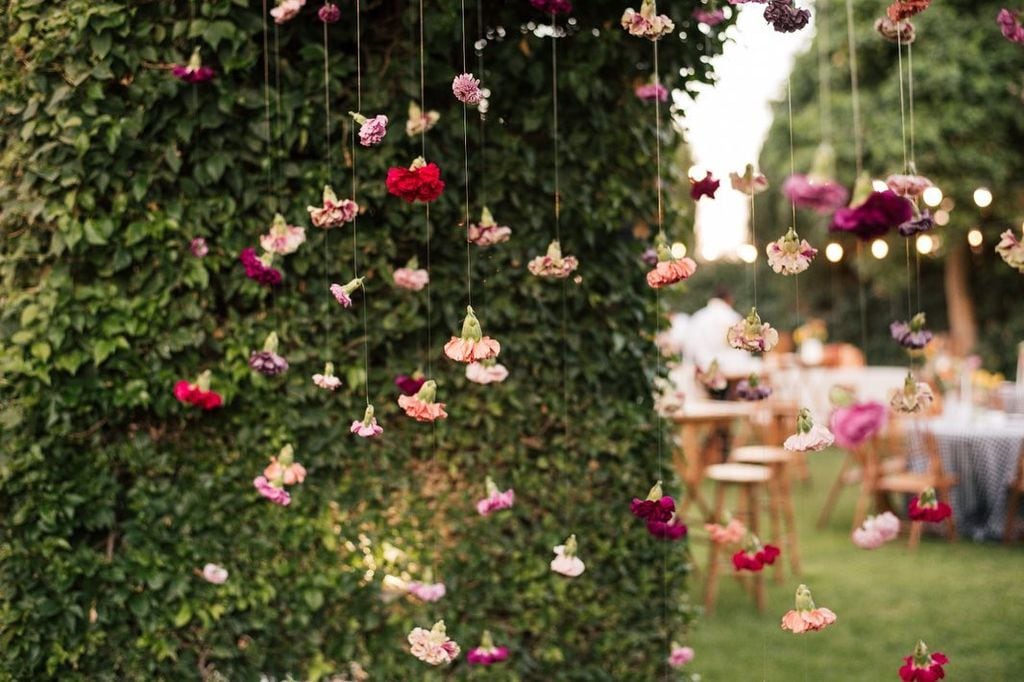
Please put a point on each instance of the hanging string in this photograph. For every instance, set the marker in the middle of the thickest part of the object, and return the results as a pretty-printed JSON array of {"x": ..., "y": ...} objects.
[
  {"x": 554, "y": 108},
  {"x": 903, "y": 118},
  {"x": 824, "y": 74},
  {"x": 792, "y": 203},
  {"x": 913, "y": 151},
  {"x": 423, "y": 153},
  {"x": 858, "y": 144},
  {"x": 328, "y": 170},
  {"x": 355, "y": 229},
  {"x": 482, "y": 167},
  {"x": 465, "y": 166},
  {"x": 266, "y": 98}
]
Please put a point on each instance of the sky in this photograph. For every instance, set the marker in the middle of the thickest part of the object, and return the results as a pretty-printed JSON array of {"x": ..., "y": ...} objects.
[{"x": 727, "y": 123}]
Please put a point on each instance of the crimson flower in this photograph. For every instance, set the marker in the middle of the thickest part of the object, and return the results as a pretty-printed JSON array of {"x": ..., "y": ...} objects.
[
  {"x": 258, "y": 270},
  {"x": 705, "y": 187},
  {"x": 552, "y": 6},
  {"x": 923, "y": 666},
  {"x": 198, "y": 393},
  {"x": 755, "y": 560},
  {"x": 656, "y": 507},
  {"x": 926, "y": 507},
  {"x": 671, "y": 530},
  {"x": 880, "y": 212},
  {"x": 410, "y": 385},
  {"x": 419, "y": 182}
]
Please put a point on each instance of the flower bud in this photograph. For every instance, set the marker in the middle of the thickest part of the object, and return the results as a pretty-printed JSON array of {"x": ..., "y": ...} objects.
[
  {"x": 428, "y": 391},
  {"x": 286, "y": 457},
  {"x": 358, "y": 118},
  {"x": 471, "y": 326},
  {"x": 656, "y": 492},
  {"x": 270, "y": 344}
]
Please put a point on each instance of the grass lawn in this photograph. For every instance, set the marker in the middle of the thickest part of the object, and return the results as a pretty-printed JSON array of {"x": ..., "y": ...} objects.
[{"x": 964, "y": 599}]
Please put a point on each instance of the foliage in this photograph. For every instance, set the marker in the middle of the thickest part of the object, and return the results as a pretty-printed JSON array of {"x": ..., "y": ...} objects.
[{"x": 114, "y": 494}]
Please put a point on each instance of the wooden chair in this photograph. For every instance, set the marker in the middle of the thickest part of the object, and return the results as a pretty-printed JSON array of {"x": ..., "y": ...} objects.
[
  {"x": 1013, "y": 501},
  {"x": 780, "y": 499}
]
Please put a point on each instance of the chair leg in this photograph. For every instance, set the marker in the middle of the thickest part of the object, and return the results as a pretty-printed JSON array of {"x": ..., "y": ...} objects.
[
  {"x": 775, "y": 521},
  {"x": 863, "y": 500},
  {"x": 943, "y": 496},
  {"x": 833, "y": 495},
  {"x": 1012, "y": 507},
  {"x": 915, "y": 535},
  {"x": 789, "y": 523},
  {"x": 758, "y": 577},
  {"x": 714, "y": 554}
]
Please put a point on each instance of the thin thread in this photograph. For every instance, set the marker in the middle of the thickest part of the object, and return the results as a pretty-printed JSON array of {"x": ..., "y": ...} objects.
[
  {"x": 910, "y": 310},
  {"x": 862, "y": 299},
  {"x": 824, "y": 74},
  {"x": 266, "y": 98},
  {"x": 355, "y": 231},
  {"x": 327, "y": 180},
  {"x": 277, "y": 102},
  {"x": 657, "y": 144},
  {"x": 858, "y": 143},
  {"x": 554, "y": 111},
  {"x": 423, "y": 153},
  {"x": 465, "y": 167},
  {"x": 792, "y": 161},
  {"x": 903, "y": 118},
  {"x": 910, "y": 88}
]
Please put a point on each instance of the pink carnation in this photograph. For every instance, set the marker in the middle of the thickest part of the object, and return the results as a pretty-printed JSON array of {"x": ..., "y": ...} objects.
[
  {"x": 215, "y": 574},
  {"x": 413, "y": 280},
  {"x": 480, "y": 373},
  {"x": 710, "y": 17},
  {"x": 651, "y": 91},
  {"x": 496, "y": 500},
  {"x": 429, "y": 592},
  {"x": 373, "y": 130},
  {"x": 467, "y": 89},
  {"x": 853, "y": 425},
  {"x": 680, "y": 656},
  {"x": 286, "y": 10},
  {"x": 274, "y": 494},
  {"x": 1010, "y": 26}
]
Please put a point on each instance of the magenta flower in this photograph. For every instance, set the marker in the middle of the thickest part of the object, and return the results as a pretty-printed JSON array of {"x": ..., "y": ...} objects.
[
  {"x": 343, "y": 292},
  {"x": 651, "y": 91},
  {"x": 1010, "y": 26},
  {"x": 487, "y": 653},
  {"x": 879, "y": 213},
  {"x": 329, "y": 13},
  {"x": 194, "y": 71},
  {"x": 428, "y": 592},
  {"x": 670, "y": 530},
  {"x": 854, "y": 424},
  {"x": 496, "y": 500},
  {"x": 368, "y": 427},
  {"x": 705, "y": 187},
  {"x": 371, "y": 130},
  {"x": 784, "y": 17},
  {"x": 710, "y": 17},
  {"x": 911, "y": 335},
  {"x": 680, "y": 655},
  {"x": 655, "y": 507},
  {"x": 923, "y": 666},
  {"x": 273, "y": 492},
  {"x": 467, "y": 89},
  {"x": 410, "y": 385},
  {"x": 552, "y": 6},
  {"x": 822, "y": 196},
  {"x": 258, "y": 268},
  {"x": 198, "y": 247}
]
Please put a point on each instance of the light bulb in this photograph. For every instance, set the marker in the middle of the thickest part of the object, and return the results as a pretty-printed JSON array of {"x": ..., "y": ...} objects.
[
  {"x": 925, "y": 244},
  {"x": 678, "y": 250},
  {"x": 982, "y": 197},
  {"x": 932, "y": 196},
  {"x": 975, "y": 238},
  {"x": 747, "y": 253},
  {"x": 879, "y": 249},
  {"x": 834, "y": 252}
]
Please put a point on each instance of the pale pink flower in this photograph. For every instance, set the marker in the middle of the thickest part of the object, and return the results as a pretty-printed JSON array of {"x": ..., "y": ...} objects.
[
  {"x": 467, "y": 89},
  {"x": 487, "y": 232},
  {"x": 710, "y": 17},
  {"x": 282, "y": 238},
  {"x": 343, "y": 292},
  {"x": 809, "y": 437},
  {"x": 913, "y": 397},
  {"x": 332, "y": 212},
  {"x": 411, "y": 279},
  {"x": 368, "y": 427},
  {"x": 790, "y": 255},
  {"x": 651, "y": 91},
  {"x": 680, "y": 655},
  {"x": 728, "y": 534},
  {"x": 371, "y": 130},
  {"x": 750, "y": 182},
  {"x": 496, "y": 500},
  {"x": 566, "y": 562},
  {"x": 433, "y": 646},
  {"x": 327, "y": 379},
  {"x": 876, "y": 531},
  {"x": 1011, "y": 250},
  {"x": 752, "y": 335},
  {"x": 429, "y": 592},
  {"x": 472, "y": 345},
  {"x": 805, "y": 617},
  {"x": 553, "y": 264},
  {"x": 215, "y": 574},
  {"x": 284, "y": 468},
  {"x": 420, "y": 122},
  {"x": 484, "y": 373},
  {"x": 273, "y": 492},
  {"x": 286, "y": 10},
  {"x": 909, "y": 186},
  {"x": 888, "y": 524},
  {"x": 645, "y": 23}
]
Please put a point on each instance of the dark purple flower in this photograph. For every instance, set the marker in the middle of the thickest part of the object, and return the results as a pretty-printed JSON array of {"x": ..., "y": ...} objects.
[
  {"x": 649, "y": 257},
  {"x": 880, "y": 212},
  {"x": 752, "y": 389},
  {"x": 911, "y": 334},
  {"x": 922, "y": 223},
  {"x": 267, "y": 363},
  {"x": 329, "y": 13},
  {"x": 257, "y": 270},
  {"x": 552, "y": 6},
  {"x": 784, "y": 17},
  {"x": 410, "y": 385},
  {"x": 653, "y": 510},
  {"x": 671, "y": 530},
  {"x": 823, "y": 196},
  {"x": 705, "y": 187}
]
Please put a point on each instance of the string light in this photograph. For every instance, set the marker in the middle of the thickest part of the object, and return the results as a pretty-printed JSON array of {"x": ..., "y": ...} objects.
[
  {"x": 941, "y": 218},
  {"x": 975, "y": 238},
  {"x": 932, "y": 196},
  {"x": 983, "y": 197},
  {"x": 834, "y": 252},
  {"x": 879, "y": 249},
  {"x": 879, "y": 185},
  {"x": 925, "y": 244},
  {"x": 747, "y": 253},
  {"x": 678, "y": 250}
]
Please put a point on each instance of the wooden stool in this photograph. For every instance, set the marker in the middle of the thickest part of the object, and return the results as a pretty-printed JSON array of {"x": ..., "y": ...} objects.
[
  {"x": 780, "y": 499},
  {"x": 747, "y": 478}
]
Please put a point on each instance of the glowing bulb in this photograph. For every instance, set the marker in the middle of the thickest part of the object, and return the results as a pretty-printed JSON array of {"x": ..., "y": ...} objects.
[
  {"x": 941, "y": 217},
  {"x": 834, "y": 252},
  {"x": 879, "y": 185},
  {"x": 925, "y": 244},
  {"x": 696, "y": 172},
  {"x": 879, "y": 249},
  {"x": 747, "y": 253},
  {"x": 975, "y": 238},
  {"x": 678, "y": 250},
  {"x": 932, "y": 196},
  {"x": 982, "y": 197}
]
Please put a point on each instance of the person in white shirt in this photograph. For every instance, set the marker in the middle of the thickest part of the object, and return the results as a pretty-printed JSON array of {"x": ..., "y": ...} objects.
[{"x": 706, "y": 338}]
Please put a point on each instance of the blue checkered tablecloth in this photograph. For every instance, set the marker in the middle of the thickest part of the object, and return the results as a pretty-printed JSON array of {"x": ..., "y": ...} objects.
[{"x": 984, "y": 454}]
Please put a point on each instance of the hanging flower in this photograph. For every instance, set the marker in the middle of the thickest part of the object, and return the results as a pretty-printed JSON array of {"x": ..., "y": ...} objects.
[
  {"x": 368, "y": 427},
  {"x": 343, "y": 292},
  {"x": 282, "y": 238},
  {"x": 371, "y": 130},
  {"x": 428, "y": 592},
  {"x": 911, "y": 334},
  {"x": 217, "y": 575},
  {"x": 1010, "y": 26},
  {"x": 486, "y": 372},
  {"x": 874, "y": 214},
  {"x": 553, "y": 264},
  {"x": 552, "y": 6},
  {"x": 1011, "y": 250},
  {"x": 712, "y": 378},
  {"x": 496, "y": 500},
  {"x": 198, "y": 393},
  {"x": 332, "y": 213},
  {"x": 902, "y": 32},
  {"x": 267, "y": 361},
  {"x": 923, "y": 666},
  {"x": 273, "y": 491},
  {"x": 904, "y": 9},
  {"x": 329, "y": 13},
  {"x": 921, "y": 221},
  {"x": 753, "y": 335},
  {"x": 728, "y": 534},
  {"x": 750, "y": 182},
  {"x": 680, "y": 655},
  {"x": 710, "y": 17},
  {"x": 433, "y": 646},
  {"x": 790, "y": 255},
  {"x": 467, "y": 89},
  {"x": 817, "y": 190},
  {"x": 472, "y": 345},
  {"x": 421, "y": 406},
  {"x": 755, "y": 556},
  {"x": 908, "y": 186},
  {"x": 655, "y": 507},
  {"x": 809, "y": 437},
  {"x": 411, "y": 277},
  {"x": 420, "y": 122},
  {"x": 327, "y": 380},
  {"x": 669, "y": 269},
  {"x": 286, "y": 10},
  {"x": 673, "y": 529},
  {"x": 651, "y": 91},
  {"x": 784, "y": 17},
  {"x": 409, "y": 385},
  {"x": 805, "y": 617},
  {"x": 876, "y": 531},
  {"x": 645, "y": 23},
  {"x": 285, "y": 468},
  {"x": 421, "y": 181},
  {"x": 751, "y": 389},
  {"x": 705, "y": 187},
  {"x": 258, "y": 268},
  {"x": 668, "y": 399},
  {"x": 927, "y": 507},
  {"x": 913, "y": 397},
  {"x": 487, "y": 232},
  {"x": 198, "y": 247},
  {"x": 487, "y": 653},
  {"x": 854, "y": 424},
  {"x": 194, "y": 71},
  {"x": 566, "y": 562}
]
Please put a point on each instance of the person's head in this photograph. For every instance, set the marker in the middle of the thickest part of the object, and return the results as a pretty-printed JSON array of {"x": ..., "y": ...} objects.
[{"x": 724, "y": 293}]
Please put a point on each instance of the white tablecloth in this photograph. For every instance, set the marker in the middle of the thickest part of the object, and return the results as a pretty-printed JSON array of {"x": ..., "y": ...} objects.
[{"x": 809, "y": 386}]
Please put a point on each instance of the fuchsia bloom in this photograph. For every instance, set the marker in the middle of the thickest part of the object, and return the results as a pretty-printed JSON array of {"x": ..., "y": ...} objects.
[
  {"x": 809, "y": 437},
  {"x": 433, "y": 646},
  {"x": 655, "y": 507},
  {"x": 198, "y": 393},
  {"x": 368, "y": 427},
  {"x": 651, "y": 91},
  {"x": 728, "y": 534},
  {"x": 418, "y": 121},
  {"x": 671, "y": 530},
  {"x": 421, "y": 181},
  {"x": 332, "y": 213},
  {"x": 285, "y": 468},
  {"x": 371, "y": 130},
  {"x": 194, "y": 71},
  {"x": 876, "y": 531},
  {"x": 286, "y": 10},
  {"x": 823, "y": 196},
  {"x": 805, "y": 617},
  {"x": 217, "y": 575},
  {"x": 267, "y": 361},
  {"x": 1010, "y": 26},
  {"x": 854, "y": 424},
  {"x": 486, "y": 372},
  {"x": 790, "y": 255},
  {"x": 467, "y": 89},
  {"x": 198, "y": 247},
  {"x": 411, "y": 277},
  {"x": 566, "y": 562},
  {"x": 755, "y": 557},
  {"x": 785, "y": 17},
  {"x": 896, "y": 31},
  {"x": 705, "y": 187},
  {"x": 914, "y": 397},
  {"x": 487, "y": 653},
  {"x": 750, "y": 182},
  {"x": 710, "y": 17},
  {"x": 327, "y": 380},
  {"x": 911, "y": 335},
  {"x": 496, "y": 500},
  {"x": 472, "y": 345},
  {"x": 552, "y": 6},
  {"x": 275, "y": 493},
  {"x": 904, "y": 9},
  {"x": 923, "y": 666},
  {"x": 680, "y": 655},
  {"x": 343, "y": 292},
  {"x": 428, "y": 592},
  {"x": 258, "y": 268},
  {"x": 875, "y": 215},
  {"x": 487, "y": 232},
  {"x": 553, "y": 264},
  {"x": 908, "y": 186},
  {"x": 282, "y": 238},
  {"x": 927, "y": 507},
  {"x": 329, "y": 13},
  {"x": 752, "y": 335},
  {"x": 645, "y": 23},
  {"x": 1011, "y": 250},
  {"x": 421, "y": 406},
  {"x": 409, "y": 385}
]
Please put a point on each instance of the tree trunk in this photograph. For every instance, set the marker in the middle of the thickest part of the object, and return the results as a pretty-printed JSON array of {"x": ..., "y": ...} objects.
[{"x": 963, "y": 327}]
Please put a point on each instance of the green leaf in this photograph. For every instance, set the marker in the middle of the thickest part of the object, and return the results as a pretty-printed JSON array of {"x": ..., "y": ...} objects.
[{"x": 183, "y": 616}]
